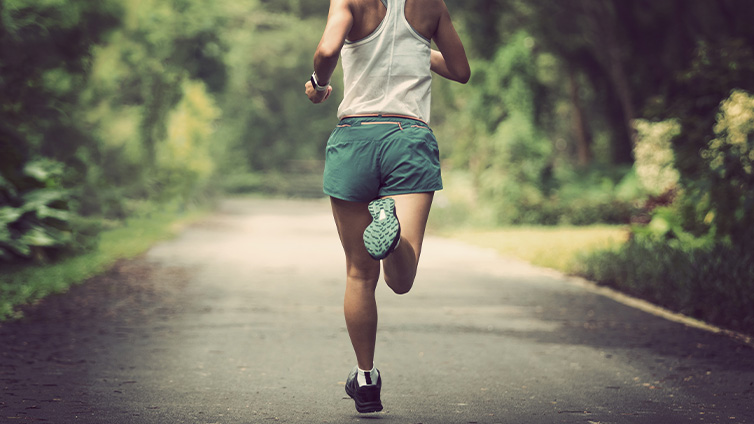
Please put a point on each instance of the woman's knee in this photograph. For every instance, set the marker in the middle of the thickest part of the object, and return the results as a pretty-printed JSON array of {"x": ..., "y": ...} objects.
[{"x": 364, "y": 277}]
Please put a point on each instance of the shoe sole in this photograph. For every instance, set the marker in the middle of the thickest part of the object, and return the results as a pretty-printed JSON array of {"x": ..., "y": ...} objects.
[{"x": 382, "y": 235}]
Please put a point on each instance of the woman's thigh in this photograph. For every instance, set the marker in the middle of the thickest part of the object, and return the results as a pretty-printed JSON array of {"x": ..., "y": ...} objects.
[{"x": 351, "y": 219}]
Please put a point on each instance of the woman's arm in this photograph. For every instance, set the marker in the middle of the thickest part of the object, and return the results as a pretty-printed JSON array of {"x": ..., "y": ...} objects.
[
  {"x": 339, "y": 22},
  {"x": 450, "y": 61}
]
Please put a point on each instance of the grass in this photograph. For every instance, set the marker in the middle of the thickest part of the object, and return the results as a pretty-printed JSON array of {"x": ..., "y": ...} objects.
[
  {"x": 559, "y": 247},
  {"x": 20, "y": 285}
]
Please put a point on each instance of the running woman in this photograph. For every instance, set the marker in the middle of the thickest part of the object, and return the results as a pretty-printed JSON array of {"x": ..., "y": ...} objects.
[{"x": 382, "y": 163}]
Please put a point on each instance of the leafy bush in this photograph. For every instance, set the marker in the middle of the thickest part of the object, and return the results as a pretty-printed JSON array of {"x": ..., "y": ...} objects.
[
  {"x": 20, "y": 285},
  {"x": 709, "y": 281},
  {"x": 574, "y": 198},
  {"x": 183, "y": 160},
  {"x": 718, "y": 201},
  {"x": 35, "y": 217},
  {"x": 695, "y": 255},
  {"x": 730, "y": 157},
  {"x": 517, "y": 159},
  {"x": 654, "y": 158}
]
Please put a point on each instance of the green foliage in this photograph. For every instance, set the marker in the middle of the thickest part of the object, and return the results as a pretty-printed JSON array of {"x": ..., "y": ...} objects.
[
  {"x": 45, "y": 51},
  {"x": 102, "y": 111},
  {"x": 301, "y": 9},
  {"x": 267, "y": 119},
  {"x": 579, "y": 198},
  {"x": 20, "y": 284},
  {"x": 716, "y": 68},
  {"x": 285, "y": 184},
  {"x": 713, "y": 282},
  {"x": 146, "y": 103},
  {"x": 511, "y": 129},
  {"x": 519, "y": 175},
  {"x": 35, "y": 219},
  {"x": 717, "y": 202},
  {"x": 655, "y": 161},
  {"x": 666, "y": 225},
  {"x": 149, "y": 103},
  {"x": 508, "y": 155},
  {"x": 183, "y": 161},
  {"x": 596, "y": 195},
  {"x": 730, "y": 156},
  {"x": 112, "y": 107},
  {"x": 695, "y": 255}
]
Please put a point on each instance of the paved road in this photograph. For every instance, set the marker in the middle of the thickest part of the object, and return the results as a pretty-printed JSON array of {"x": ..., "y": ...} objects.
[{"x": 239, "y": 320}]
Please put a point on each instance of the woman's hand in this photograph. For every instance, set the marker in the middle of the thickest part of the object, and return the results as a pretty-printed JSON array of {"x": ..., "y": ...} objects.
[{"x": 317, "y": 96}]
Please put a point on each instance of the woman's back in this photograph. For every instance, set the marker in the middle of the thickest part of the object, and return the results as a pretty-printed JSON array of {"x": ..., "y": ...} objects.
[
  {"x": 388, "y": 69},
  {"x": 423, "y": 15}
]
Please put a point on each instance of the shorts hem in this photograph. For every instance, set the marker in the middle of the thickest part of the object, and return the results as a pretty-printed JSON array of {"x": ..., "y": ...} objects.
[
  {"x": 381, "y": 194},
  {"x": 409, "y": 191},
  {"x": 345, "y": 198}
]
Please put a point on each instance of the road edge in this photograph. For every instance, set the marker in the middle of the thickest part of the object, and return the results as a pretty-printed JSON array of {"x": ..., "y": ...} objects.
[{"x": 653, "y": 309}]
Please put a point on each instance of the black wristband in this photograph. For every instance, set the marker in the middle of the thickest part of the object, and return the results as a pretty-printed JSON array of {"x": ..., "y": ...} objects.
[{"x": 317, "y": 86}]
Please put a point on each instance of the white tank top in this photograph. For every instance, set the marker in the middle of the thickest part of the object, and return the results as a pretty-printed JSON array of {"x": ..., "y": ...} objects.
[{"x": 387, "y": 71}]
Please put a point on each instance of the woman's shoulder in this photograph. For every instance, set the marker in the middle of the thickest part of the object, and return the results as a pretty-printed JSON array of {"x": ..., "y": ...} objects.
[{"x": 424, "y": 15}]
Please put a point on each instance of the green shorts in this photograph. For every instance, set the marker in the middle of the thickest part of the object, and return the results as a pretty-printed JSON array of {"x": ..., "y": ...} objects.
[{"x": 377, "y": 156}]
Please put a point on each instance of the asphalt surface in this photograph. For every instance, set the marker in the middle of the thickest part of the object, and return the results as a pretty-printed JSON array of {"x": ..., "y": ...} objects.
[{"x": 239, "y": 320}]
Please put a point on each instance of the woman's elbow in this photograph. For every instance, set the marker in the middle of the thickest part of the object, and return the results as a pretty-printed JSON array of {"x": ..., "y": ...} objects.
[
  {"x": 327, "y": 51},
  {"x": 463, "y": 75}
]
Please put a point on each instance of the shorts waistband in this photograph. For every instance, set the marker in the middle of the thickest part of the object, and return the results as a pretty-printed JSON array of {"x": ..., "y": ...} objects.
[{"x": 382, "y": 117}]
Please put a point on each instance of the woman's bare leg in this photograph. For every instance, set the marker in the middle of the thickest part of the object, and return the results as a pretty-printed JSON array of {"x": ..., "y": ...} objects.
[
  {"x": 362, "y": 274},
  {"x": 400, "y": 267}
]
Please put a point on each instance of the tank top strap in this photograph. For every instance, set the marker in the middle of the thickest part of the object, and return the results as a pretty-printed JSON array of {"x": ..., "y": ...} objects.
[{"x": 392, "y": 7}]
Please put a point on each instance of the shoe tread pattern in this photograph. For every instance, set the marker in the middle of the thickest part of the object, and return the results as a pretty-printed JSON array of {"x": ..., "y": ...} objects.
[{"x": 381, "y": 236}]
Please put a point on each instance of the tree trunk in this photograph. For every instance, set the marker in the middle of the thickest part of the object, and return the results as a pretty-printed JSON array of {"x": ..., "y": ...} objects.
[
  {"x": 623, "y": 153},
  {"x": 605, "y": 24},
  {"x": 580, "y": 126}
]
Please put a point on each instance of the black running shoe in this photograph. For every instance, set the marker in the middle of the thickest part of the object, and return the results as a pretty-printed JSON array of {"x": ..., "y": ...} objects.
[
  {"x": 381, "y": 237},
  {"x": 367, "y": 398}
]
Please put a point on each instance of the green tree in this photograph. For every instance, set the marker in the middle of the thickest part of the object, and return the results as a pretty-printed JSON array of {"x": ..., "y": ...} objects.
[
  {"x": 266, "y": 116},
  {"x": 101, "y": 91},
  {"x": 45, "y": 52},
  {"x": 138, "y": 80}
]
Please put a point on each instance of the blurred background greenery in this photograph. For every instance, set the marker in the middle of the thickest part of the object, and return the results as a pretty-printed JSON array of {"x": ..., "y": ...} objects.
[{"x": 637, "y": 114}]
